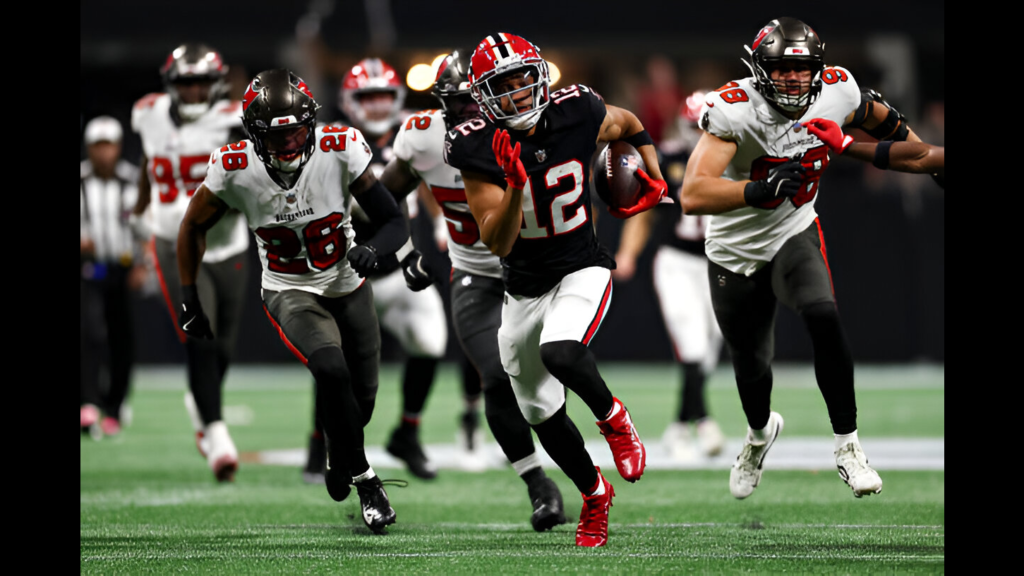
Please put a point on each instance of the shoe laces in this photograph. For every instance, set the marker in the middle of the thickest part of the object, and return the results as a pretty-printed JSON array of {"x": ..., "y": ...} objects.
[
  {"x": 594, "y": 516},
  {"x": 749, "y": 457},
  {"x": 851, "y": 457}
]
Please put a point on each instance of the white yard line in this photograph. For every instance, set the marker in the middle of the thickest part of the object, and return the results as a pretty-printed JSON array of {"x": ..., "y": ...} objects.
[{"x": 786, "y": 454}]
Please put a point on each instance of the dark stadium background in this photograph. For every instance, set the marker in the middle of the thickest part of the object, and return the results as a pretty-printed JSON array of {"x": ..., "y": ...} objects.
[{"x": 884, "y": 232}]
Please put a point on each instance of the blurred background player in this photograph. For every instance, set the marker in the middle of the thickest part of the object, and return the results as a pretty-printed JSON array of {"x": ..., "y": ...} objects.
[
  {"x": 756, "y": 170},
  {"x": 681, "y": 284},
  {"x": 297, "y": 200},
  {"x": 533, "y": 210},
  {"x": 476, "y": 285},
  {"x": 372, "y": 96},
  {"x": 179, "y": 130},
  {"x": 111, "y": 267}
]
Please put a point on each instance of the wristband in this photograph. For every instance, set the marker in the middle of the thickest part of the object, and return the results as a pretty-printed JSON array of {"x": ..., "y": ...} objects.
[{"x": 639, "y": 139}]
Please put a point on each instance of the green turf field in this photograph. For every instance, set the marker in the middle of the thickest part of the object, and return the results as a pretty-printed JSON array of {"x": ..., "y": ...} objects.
[{"x": 149, "y": 504}]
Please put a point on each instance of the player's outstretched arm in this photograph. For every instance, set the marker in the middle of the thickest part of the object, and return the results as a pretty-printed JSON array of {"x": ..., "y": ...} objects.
[
  {"x": 380, "y": 206},
  {"x": 635, "y": 233},
  {"x": 916, "y": 157},
  {"x": 704, "y": 189}
]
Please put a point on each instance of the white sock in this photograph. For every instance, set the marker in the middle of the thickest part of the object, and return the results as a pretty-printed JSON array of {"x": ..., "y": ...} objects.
[
  {"x": 615, "y": 410},
  {"x": 844, "y": 439},
  {"x": 600, "y": 487},
  {"x": 761, "y": 436},
  {"x": 365, "y": 475},
  {"x": 526, "y": 464}
]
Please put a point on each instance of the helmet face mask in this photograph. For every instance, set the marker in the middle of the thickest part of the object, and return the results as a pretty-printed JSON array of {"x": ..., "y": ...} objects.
[
  {"x": 360, "y": 100},
  {"x": 279, "y": 115},
  {"x": 787, "y": 44},
  {"x": 194, "y": 76},
  {"x": 510, "y": 81}
]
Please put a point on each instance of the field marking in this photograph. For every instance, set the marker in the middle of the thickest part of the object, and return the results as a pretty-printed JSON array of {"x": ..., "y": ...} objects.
[
  {"x": 787, "y": 454},
  {"x": 574, "y": 553}
]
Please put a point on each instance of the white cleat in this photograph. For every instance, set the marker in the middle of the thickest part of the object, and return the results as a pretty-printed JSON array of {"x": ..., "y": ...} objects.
[
  {"x": 711, "y": 438},
  {"x": 202, "y": 443},
  {"x": 678, "y": 442},
  {"x": 222, "y": 456},
  {"x": 854, "y": 470},
  {"x": 746, "y": 471}
]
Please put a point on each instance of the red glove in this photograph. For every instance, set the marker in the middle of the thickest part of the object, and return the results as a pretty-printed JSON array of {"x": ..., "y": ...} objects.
[
  {"x": 508, "y": 159},
  {"x": 652, "y": 191},
  {"x": 830, "y": 133}
]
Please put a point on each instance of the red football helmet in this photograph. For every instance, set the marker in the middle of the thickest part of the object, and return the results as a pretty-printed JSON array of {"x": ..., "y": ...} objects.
[
  {"x": 499, "y": 57},
  {"x": 689, "y": 110},
  {"x": 370, "y": 113}
]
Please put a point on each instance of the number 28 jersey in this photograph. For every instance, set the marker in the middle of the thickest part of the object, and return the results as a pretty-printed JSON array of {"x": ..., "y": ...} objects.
[
  {"x": 557, "y": 234},
  {"x": 745, "y": 239},
  {"x": 176, "y": 160},
  {"x": 420, "y": 143},
  {"x": 302, "y": 233}
]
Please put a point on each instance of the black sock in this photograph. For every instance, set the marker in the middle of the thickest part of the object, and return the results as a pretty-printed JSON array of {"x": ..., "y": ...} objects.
[
  {"x": 691, "y": 401},
  {"x": 416, "y": 383},
  {"x": 573, "y": 364},
  {"x": 507, "y": 423},
  {"x": 563, "y": 442},
  {"x": 755, "y": 396},
  {"x": 533, "y": 475},
  {"x": 337, "y": 408},
  {"x": 471, "y": 384},
  {"x": 204, "y": 375},
  {"x": 833, "y": 365}
]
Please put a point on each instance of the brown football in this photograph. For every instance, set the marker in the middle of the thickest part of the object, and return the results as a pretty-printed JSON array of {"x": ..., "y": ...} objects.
[{"x": 613, "y": 174}]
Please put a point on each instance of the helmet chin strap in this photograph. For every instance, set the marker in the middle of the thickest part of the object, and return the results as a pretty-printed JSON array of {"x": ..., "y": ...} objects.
[
  {"x": 376, "y": 128},
  {"x": 524, "y": 122}
]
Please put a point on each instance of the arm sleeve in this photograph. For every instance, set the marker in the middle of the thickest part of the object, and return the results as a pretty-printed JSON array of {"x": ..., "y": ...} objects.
[{"x": 380, "y": 206}]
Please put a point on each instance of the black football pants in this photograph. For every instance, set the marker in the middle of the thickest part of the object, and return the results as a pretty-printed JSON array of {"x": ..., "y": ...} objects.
[{"x": 799, "y": 277}]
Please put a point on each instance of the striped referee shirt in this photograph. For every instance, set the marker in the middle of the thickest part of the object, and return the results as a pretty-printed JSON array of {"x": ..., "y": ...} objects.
[{"x": 106, "y": 205}]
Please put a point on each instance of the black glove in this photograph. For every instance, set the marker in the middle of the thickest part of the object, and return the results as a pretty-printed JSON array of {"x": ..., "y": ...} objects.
[
  {"x": 784, "y": 183},
  {"x": 363, "y": 259},
  {"x": 417, "y": 272},
  {"x": 192, "y": 320}
]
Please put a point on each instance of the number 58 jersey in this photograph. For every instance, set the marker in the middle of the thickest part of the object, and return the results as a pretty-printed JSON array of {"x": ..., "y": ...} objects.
[
  {"x": 304, "y": 232},
  {"x": 745, "y": 239}
]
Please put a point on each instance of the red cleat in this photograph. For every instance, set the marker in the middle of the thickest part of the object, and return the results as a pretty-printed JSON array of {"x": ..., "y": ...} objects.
[
  {"x": 110, "y": 426},
  {"x": 88, "y": 415},
  {"x": 627, "y": 449},
  {"x": 592, "y": 530}
]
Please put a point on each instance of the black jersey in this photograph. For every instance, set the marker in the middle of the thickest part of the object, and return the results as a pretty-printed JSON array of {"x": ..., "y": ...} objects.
[
  {"x": 557, "y": 236},
  {"x": 682, "y": 231},
  {"x": 364, "y": 228}
]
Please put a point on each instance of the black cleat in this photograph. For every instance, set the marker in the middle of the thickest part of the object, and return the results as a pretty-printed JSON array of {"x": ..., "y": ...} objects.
[
  {"x": 377, "y": 510},
  {"x": 405, "y": 446},
  {"x": 548, "y": 510},
  {"x": 316, "y": 462}
]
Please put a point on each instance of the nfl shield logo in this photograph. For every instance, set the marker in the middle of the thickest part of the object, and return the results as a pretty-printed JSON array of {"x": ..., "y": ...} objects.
[{"x": 542, "y": 155}]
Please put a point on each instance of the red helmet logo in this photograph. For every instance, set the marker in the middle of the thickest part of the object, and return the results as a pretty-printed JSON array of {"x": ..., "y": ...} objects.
[
  {"x": 760, "y": 35},
  {"x": 251, "y": 92}
]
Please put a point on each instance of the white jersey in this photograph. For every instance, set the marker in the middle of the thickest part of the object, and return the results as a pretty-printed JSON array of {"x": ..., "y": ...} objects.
[
  {"x": 176, "y": 160},
  {"x": 302, "y": 233},
  {"x": 745, "y": 239},
  {"x": 420, "y": 143}
]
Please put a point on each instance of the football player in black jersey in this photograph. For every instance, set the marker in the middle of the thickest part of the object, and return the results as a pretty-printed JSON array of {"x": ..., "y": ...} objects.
[{"x": 533, "y": 209}]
